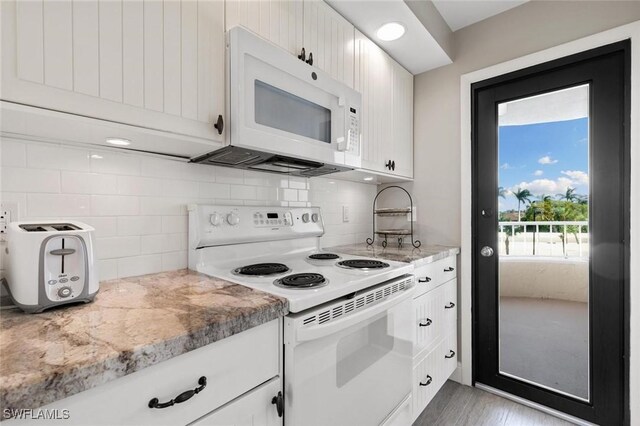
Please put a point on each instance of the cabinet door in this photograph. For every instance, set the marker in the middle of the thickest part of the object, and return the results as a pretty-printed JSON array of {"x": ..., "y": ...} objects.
[
  {"x": 251, "y": 409},
  {"x": 374, "y": 79},
  {"x": 401, "y": 146},
  {"x": 152, "y": 64},
  {"x": 330, "y": 39},
  {"x": 279, "y": 21},
  {"x": 428, "y": 320}
]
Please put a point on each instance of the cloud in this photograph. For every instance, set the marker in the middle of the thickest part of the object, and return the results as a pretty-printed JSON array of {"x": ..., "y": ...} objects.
[
  {"x": 547, "y": 160},
  {"x": 538, "y": 173},
  {"x": 571, "y": 178},
  {"x": 578, "y": 177},
  {"x": 506, "y": 166}
]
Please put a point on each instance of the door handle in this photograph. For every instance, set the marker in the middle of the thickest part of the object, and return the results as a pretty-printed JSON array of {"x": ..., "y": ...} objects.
[
  {"x": 449, "y": 269},
  {"x": 278, "y": 400},
  {"x": 219, "y": 124},
  {"x": 310, "y": 60},
  {"x": 302, "y": 56},
  {"x": 427, "y": 382},
  {"x": 424, "y": 280},
  {"x": 451, "y": 354},
  {"x": 450, "y": 305},
  {"x": 486, "y": 251}
]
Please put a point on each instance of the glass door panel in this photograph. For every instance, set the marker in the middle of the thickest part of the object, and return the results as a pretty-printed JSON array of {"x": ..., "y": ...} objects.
[{"x": 543, "y": 240}]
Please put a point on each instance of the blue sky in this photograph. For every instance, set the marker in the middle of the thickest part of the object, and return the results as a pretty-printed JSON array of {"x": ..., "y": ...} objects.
[{"x": 545, "y": 158}]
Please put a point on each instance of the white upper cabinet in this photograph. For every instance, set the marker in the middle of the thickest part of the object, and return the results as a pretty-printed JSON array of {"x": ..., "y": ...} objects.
[
  {"x": 151, "y": 64},
  {"x": 327, "y": 38},
  {"x": 329, "y": 41},
  {"x": 279, "y": 21},
  {"x": 387, "y": 110}
]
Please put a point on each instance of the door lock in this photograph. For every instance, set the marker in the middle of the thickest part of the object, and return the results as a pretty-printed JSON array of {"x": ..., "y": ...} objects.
[{"x": 486, "y": 251}]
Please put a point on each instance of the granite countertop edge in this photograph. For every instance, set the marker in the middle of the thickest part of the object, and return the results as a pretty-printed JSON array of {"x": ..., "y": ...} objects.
[{"x": 75, "y": 378}]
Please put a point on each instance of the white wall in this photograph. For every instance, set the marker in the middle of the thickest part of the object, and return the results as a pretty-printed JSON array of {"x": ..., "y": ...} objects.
[{"x": 137, "y": 203}]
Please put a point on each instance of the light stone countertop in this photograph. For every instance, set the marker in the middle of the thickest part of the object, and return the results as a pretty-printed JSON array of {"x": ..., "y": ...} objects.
[
  {"x": 132, "y": 324},
  {"x": 407, "y": 253}
]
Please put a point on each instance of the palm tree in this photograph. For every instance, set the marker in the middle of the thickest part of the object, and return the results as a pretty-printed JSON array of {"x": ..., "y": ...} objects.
[
  {"x": 502, "y": 192},
  {"x": 544, "y": 197},
  {"x": 570, "y": 195},
  {"x": 523, "y": 196}
]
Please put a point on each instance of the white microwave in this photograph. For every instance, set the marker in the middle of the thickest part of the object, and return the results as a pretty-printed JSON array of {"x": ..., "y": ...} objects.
[{"x": 285, "y": 115}]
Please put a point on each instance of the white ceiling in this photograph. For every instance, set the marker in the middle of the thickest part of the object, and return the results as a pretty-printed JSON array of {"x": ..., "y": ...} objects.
[
  {"x": 461, "y": 13},
  {"x": 417, "y": 50}
]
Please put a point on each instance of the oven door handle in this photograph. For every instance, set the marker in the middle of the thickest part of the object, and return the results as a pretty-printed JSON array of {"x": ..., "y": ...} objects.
[{"x": 320, "y": 331}]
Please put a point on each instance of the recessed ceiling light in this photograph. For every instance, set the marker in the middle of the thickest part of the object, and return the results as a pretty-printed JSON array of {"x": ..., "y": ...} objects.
[
  {"x": 119, "y": 141},
  {"x": 368, "y": 178},
  {"x": 390, "y": 31}
]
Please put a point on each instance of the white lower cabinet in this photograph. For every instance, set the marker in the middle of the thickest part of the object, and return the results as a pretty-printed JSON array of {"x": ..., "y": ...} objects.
[
  {"x": 256, "y": 408},
  {"x": 233, "y": 371},
  {"x": 435, "y": 354}
]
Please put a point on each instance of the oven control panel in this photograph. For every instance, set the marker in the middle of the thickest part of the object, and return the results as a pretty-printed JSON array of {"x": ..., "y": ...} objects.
[{"x": 211, "y": 225}]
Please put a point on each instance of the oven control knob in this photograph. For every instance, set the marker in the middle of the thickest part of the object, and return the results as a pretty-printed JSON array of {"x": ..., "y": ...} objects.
[
  {"x": 314, "y": 217},
  {"x": 216, "y": 219},
  {"x": 233, "y": 219},
  {"x": 64, "y": 292},
  {"x": 305, "y": 217}
]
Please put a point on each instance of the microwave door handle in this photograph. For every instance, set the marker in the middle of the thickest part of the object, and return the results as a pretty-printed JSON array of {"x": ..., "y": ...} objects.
[{"x": 320, "y": 331}]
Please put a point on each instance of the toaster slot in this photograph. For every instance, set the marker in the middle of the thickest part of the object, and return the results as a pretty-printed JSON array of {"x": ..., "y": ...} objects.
[{"x": 33, "y": 228}]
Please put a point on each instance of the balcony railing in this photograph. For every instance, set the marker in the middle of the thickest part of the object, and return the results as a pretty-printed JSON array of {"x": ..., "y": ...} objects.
[{"x": 552, "y": 238}]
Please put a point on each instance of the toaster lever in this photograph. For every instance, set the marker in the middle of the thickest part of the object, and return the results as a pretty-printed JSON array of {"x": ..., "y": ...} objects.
[{"x": 62, "y": 252}]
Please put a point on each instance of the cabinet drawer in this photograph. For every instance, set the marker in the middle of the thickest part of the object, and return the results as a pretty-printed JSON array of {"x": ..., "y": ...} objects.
[
  {"x": 428, "y": 318},
  {"x": 232, "y": 367},
  {"x": 427, "y": 378},
  {"x": 434, "y": 274}
]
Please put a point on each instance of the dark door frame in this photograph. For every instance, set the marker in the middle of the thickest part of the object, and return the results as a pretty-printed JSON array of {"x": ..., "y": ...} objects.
[{"x": 515, "y": 76}]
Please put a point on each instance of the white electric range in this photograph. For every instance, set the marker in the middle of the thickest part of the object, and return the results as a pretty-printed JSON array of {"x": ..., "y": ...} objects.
[{"x": 348, "y": 337}]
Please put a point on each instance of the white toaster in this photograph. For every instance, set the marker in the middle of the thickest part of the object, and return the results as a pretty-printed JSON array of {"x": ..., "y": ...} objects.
[{"x": 50, "y": 263}]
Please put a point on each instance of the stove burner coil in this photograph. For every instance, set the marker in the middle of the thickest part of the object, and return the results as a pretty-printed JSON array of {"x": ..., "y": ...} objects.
[
  {"x": 363, "y": 264},
  {"x": 262, "y": 269},
  {"x": 324, "y": 256},
  {"x": 304, "y": 280}
]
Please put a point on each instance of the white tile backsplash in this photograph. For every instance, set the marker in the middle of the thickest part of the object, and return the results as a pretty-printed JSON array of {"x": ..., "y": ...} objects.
[{"x": 137, "y": 203}]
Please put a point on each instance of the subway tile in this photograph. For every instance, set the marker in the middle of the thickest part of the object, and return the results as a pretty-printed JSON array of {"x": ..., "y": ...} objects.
[
  {"x": 242, "y": 192},
  {"x": 107, "y": 269},
  {"x": 106, "y": 226},
  {"x": 174, "y": 224},
  {"x": 116, "y": 247},
  {"x": 17, "y": 198},
  {"x": 58, "y": 205},
  {"x": 179, "y": 188},
  {"x": 288, "y": 194},
  {"x": 174, "y": 260},
  {"x": 13, "y": 153},
  {"x": 150, "y": 244},
  {"x": 298, "y": 183},
  {"x": 138, "y": 185},
  {"x": 114, "y": 205},
  {"x": 139, "y": 225},
  {"x": 17, "y": 179},
  {"x": 229, "y": 175},
  {"x": 214, "y": 190},
  {"x": 88, "y": 183},
  {"x": 299, "y": 204},
  {"x": 266, "y": 193},
  {"x": 139, "y": 265},
  {"x": 164, "y": 168},
  {"x": 115, "y": 163},
  {"x": 159, "y": 206},
  {"x": 303, "y": 195},
  {"x": 50, "y": 156}
]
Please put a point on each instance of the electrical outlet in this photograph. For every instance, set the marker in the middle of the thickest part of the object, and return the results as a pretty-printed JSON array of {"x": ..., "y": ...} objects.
[
  {"x": 345, "y": 214},
  {"x": 8, "y": 213}
]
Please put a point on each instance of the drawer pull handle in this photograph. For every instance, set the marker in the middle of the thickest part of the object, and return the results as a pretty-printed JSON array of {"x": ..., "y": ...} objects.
[
  {"x": 424, "y": 280},
  {"x": 184, "y": 396},
  {"x": 451, "y": 354},
  {"x": 450, "y": 305},
  {"x": 425, "y": 324},
  {"x": 427, "y": 382},
  {"x": 278, "y": 400},
  {"x": 449, "y": 269}
]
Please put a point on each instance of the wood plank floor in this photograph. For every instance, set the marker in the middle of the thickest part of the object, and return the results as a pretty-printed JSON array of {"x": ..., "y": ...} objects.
[{"x": 460, "y": 405}]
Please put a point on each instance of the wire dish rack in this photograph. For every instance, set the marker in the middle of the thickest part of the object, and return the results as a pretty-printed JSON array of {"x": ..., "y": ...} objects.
[{"x": 399, "y": 233}]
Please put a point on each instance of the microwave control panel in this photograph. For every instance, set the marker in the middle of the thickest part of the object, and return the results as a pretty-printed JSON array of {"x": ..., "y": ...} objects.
[{"x": 353, "y": 126}]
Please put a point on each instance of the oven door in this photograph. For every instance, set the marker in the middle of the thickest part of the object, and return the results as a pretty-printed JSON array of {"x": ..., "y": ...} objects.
[
  {"x": 281, "y": 105},
  {"x": 350, "y": 371}
]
